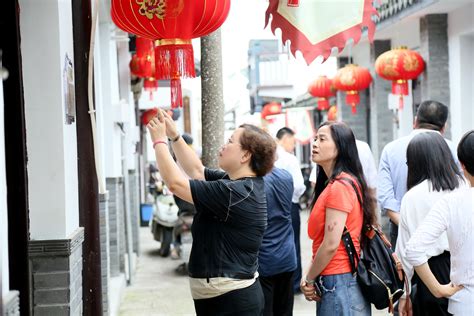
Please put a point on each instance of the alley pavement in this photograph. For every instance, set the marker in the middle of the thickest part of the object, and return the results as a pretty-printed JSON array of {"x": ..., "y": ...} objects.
[{"x": 158, "y": 290}]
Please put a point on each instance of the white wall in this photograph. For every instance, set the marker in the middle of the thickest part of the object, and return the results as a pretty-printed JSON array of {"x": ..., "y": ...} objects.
[
  {"x": 461, "y": 69},
  {"x": 46, "y": 27},
  {"x": 4, "y": 279},
  {"x": 110, "y": 93}
]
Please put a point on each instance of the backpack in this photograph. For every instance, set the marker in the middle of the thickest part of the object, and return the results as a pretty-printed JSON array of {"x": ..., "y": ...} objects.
[{"x": 379, "y": 271}]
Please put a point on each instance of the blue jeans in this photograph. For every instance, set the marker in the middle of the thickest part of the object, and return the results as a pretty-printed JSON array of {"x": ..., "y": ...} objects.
[{"x": 341, "y": 297}]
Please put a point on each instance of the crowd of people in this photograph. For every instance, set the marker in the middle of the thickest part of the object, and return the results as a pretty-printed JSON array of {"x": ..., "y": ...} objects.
[{"x": 245, "y": 258}]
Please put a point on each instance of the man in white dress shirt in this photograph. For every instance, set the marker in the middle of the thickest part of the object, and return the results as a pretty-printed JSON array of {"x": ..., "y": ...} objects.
[{"x": 286, "y": 160}]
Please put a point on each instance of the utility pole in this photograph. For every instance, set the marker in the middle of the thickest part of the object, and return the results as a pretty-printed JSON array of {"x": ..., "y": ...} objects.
[{"x": 212, "y": 98}]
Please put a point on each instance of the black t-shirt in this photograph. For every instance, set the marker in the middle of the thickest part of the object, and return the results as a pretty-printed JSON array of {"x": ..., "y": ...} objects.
[{"x": 230, "y": 220}]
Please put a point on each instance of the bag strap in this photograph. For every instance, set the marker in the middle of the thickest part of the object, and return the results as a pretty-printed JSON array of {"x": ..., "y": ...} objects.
[{"x": 346, "y": 235}]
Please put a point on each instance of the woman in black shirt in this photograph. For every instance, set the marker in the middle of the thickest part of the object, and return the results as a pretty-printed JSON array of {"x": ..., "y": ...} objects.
[{"x": 231, "y": 214}]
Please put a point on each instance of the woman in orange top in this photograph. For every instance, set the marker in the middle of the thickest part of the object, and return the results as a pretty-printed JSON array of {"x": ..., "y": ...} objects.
[{"x": 339, "y": 187}]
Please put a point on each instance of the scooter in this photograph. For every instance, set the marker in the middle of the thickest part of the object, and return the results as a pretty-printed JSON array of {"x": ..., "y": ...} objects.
[{"x": 165, "y": 219}]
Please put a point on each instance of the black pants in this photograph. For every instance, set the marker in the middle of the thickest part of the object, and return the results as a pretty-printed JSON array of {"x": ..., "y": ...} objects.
[
  {"x": 296, "y": 223},
  {"x": 278, "y": 293},
  {"x": 393, "y": 228},
  {"x": 424, "y": 303},
  {"x": 245, "y": 302}
]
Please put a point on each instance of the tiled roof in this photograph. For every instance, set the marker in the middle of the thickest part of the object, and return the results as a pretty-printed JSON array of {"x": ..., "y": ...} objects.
[{"x": 389, "y": 8}]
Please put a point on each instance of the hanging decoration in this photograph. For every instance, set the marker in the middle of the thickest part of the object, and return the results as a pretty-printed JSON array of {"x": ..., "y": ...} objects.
[
  {"x": 332, "y": 113},
  {"x": 150, "y": 85},
  {"x": 322, "y": 88},
  {"x": 352, "y": 79},
  {"x": 272, "y": 108},
  {"x": 315, "y": 27},
  {"x": 400, "y": 65},
  {"x": 172, "y": 23},
  {"x": 148, "y": 115}
]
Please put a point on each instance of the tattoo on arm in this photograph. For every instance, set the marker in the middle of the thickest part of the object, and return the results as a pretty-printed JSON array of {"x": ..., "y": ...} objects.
[{"x": 332, "y": 226}]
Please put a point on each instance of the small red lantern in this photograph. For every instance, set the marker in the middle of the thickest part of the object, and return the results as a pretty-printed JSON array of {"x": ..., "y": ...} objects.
[
  {"x": 173, "y": 23},
  {"x": 272, "y": 108},
  {"x": 148, "y": 115},
  {"x": 352, "y": 79},
  {"x": 143, "y": 62},
  {"x": 399, "y": 65},
  {"x": 150, "y": 85},
  {"x": 322, "y": 88},
  {"x": 332, "y": 113}
]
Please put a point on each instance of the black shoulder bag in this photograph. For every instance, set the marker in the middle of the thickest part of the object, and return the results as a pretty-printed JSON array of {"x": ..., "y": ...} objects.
[{"x": 379, "y": 272}]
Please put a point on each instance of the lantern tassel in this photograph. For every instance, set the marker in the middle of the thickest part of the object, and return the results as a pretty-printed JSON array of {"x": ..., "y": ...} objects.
[
  {"x": 174, "y": 60},
  {"x": 354, "y": 110},
  {"x": 293, "y": 3},
  {"x": 400, "y": 102},
  {"x": 176, "y": 93}
]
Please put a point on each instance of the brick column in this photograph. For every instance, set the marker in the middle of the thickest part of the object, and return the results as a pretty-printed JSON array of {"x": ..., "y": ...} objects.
[
  {"x": 56, "y": 269},
  {"x": 381, "y": 118},
  {"x": 114, "y": 236},
  {"x": 435, "y": 52},
  {"x": 104, "y": 250},
  {"x": 134, "y": 210}
]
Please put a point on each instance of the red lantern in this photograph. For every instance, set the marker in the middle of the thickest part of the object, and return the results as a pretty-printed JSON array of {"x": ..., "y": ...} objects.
[
  {"x": 332, "y": 113},
  {"x": 272, "y": 108},
  {"x": 351, "y": 79},
  {"x": 322, "y": 88},
  {"x": 399, "y": 65},
  {"x": 174, "y": 23},
  {"x": 148, "y": 115},
  {"x": 143, "y": 62}
]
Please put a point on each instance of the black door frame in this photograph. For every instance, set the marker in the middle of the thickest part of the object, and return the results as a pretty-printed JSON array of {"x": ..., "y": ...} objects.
[{"x": 15, "y": 154}]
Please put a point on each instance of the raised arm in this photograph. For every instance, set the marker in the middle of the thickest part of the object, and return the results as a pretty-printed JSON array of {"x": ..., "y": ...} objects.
[{"x": 186, "y": 156}]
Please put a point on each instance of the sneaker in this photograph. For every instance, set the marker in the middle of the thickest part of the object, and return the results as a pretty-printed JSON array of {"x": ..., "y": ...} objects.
[{"x": 175, "y": 254}]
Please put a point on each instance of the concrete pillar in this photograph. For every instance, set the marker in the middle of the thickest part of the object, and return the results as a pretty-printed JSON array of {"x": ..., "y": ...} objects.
[
  {"x": 9, "y": 300},
  {"x": 114, "y": 235},
  {"x": 212, "y": 98},
  {"x": 434, "y": 50},
  {"x": 381, "y": 118},
  {"x": 55, "y": 237}
]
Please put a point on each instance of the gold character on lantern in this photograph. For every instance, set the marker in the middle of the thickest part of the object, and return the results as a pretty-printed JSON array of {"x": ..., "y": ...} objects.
[{"x": 410, "y": 63}]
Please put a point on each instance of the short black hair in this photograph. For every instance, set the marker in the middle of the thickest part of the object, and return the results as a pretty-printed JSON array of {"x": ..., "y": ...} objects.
[
  {"x": 284, "y": 131},
  {"x": 429, "y": 158},
  {"x": 466, "y": 151},
  {"x": 432, "y": 115}
]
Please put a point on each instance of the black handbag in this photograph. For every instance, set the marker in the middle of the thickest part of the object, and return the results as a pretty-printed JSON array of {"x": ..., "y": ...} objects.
[{"x": 379, "y": 271}]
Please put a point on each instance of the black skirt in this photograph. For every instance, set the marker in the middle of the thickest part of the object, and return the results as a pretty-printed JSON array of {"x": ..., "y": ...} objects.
[{"x": 424, "y": 303}]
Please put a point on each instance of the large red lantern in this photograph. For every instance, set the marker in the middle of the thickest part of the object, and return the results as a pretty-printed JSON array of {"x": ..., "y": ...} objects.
[
  {"x": 173, "y": 23},
  {"x": 399, "y": 65},
  {"x": 322, "y": 88},
  {"x": 352, "y": 79}
]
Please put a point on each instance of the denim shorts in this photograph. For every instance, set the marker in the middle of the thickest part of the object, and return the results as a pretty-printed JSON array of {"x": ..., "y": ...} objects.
[{"x": 341, "y": 296}]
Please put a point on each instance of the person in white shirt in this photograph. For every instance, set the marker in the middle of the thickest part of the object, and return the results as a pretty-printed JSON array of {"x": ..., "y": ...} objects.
[
  {"x": 286, "y": 160},
  {"x": 453, "y": 214},
  {"x": 432, "y": 173},
  {"x": 367, "y": 160}
]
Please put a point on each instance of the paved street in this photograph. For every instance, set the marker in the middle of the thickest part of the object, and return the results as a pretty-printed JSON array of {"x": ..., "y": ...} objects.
[{"x": 158, "y": 290}]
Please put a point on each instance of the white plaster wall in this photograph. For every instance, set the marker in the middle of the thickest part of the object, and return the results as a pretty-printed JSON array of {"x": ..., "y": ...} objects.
[
  {"x": 404, "y": 33},
  {"x": 3, "y": 203},
  {"x": 461, "y": 69},
  {"x": 46, "y": 27},
  {"x": 110, "y": 98}
]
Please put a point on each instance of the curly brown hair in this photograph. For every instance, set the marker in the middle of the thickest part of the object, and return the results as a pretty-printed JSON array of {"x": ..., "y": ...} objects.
[{"x": 261, "y": 146}]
